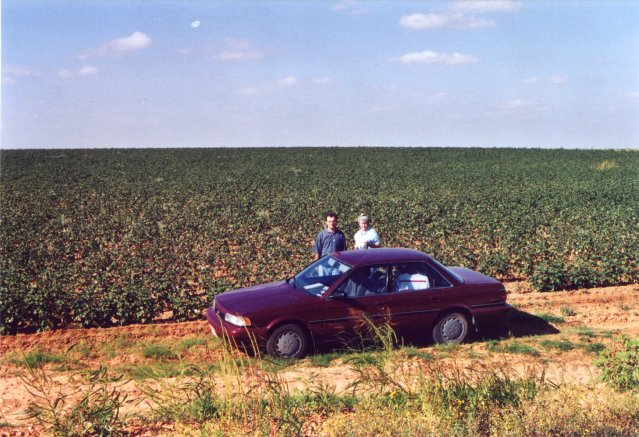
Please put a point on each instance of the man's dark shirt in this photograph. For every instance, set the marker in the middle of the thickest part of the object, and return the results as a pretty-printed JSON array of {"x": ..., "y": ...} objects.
[{"x": 328, "y": 242}]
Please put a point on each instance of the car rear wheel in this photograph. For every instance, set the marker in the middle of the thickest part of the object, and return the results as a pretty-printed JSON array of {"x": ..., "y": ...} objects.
[
  {"x": 287, "y": 341},
  {"x": 452, "y": 328}
]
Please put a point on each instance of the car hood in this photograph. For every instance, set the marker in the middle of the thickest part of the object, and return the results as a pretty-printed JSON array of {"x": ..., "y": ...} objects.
[
  {"x": 265, "y": 297},
  {"x": 472, "y": 277}
]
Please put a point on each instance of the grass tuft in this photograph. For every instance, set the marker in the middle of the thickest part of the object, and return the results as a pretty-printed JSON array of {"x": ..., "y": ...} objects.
[
  {"x": 158, "y": 352},
  {"x": 566, "y": 311},
  {"x": 37, "y": 359},
  {"x": 513, "y": 347},
  {"x": 550, "y": 318},
  {"x": 562, "y": 345}
]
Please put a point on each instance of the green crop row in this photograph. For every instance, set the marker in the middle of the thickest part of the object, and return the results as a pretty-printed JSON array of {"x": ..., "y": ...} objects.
[{"x": 101, "y": 237}]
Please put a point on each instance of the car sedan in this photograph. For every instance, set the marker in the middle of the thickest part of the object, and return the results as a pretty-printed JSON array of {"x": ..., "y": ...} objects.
[{"x": 331, "y": 298}]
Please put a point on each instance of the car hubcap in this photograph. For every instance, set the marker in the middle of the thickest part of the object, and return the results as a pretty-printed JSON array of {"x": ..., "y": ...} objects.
[
  {"x": 452, "y": 329},
  {"x": 288, "y": 344}
]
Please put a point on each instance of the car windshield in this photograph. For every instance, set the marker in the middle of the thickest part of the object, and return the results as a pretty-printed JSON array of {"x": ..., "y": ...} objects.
[{"x": 319, "y": 276}]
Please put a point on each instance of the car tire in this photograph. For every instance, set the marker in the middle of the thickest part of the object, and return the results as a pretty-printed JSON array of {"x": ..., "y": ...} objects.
[
  {"x": 451, "y": 328},
  {"x": 287, "y": 341}
]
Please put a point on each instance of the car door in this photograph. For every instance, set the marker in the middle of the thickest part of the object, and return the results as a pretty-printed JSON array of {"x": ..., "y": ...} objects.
[
  {"x": 359, "y": 302},
  {"x": 417, "y": 295}
]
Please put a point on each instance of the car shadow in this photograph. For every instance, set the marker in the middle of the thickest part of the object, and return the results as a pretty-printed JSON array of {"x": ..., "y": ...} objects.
[{"x": 517, "y": 324}]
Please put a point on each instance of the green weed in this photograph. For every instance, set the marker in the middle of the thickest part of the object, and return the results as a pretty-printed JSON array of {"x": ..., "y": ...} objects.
[
  {"x": 85, "y": 404},
  {"x": 120, "y": 345},
  {"x": 158, "y": 352},
  {"x": 586, "y": 332},
  {"x": 323, "y": 360},
  {"x": 562, "y": 345},
  {"x": 163, "y": 369},
  {"x": 413, "y": 352},
  {"x": 190, "y": 342},
  {"x": 550, "y": 318},
  {"x": 566, "y": 311},
  {"x": 592, "y": 347},
  {"x": 619, "y": 363},
  {"x": 37, "y": 359},
  {"x": 447, "y": 348},
  {"x": 513, "y": 347},
  {"x": 467, "y": 395}
]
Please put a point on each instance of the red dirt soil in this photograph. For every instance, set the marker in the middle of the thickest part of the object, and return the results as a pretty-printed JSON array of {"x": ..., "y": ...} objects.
[{"x": 609, "y": 310}]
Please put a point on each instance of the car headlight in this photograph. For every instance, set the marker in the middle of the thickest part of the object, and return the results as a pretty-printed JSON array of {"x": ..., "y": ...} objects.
[{"x": 237, "y": 320}]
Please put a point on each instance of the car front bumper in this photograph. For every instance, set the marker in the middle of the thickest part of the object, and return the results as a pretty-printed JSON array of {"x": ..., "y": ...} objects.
[{"x": 243, "y": 335}]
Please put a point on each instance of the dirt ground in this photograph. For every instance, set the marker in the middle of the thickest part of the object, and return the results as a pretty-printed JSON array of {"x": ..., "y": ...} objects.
[{"x": 601, "y": 312}]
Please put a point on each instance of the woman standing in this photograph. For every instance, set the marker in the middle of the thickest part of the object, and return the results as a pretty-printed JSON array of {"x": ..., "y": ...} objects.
[{"x": 366, "y": 237}]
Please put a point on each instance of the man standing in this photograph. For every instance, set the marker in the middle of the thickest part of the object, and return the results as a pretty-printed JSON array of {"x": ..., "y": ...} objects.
[{"x": 330, "y": 239}]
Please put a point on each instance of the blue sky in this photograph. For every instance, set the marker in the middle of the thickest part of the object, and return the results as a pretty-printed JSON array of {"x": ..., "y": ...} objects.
[{"x": 346, "y": 73}]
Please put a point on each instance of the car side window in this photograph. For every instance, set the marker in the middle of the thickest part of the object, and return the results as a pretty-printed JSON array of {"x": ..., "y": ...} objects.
[
  {"x": 366, "y": 281},
  {"x": 416, "y": 276}
]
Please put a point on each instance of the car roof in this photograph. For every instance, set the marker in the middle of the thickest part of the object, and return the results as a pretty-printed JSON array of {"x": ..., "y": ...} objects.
[{"x": 379, "y": 256}]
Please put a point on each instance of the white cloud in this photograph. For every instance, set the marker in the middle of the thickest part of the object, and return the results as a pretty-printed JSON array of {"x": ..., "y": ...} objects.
[
  {"x": 430, "y": 57},
  {"x": 438, "y": 97},
  {"x": 238, "y": 56},
  {"x": 521, "y": 108},
  {"x": 236, "y": 44},
  {"x": 65, "y": 74},
  {"x": 290, "y": 80},
  {"x": 195, "y": 24},
  {"x": 468, "y": 22},
  {"x": 87, "y": 70},
  {"x": 353, "y": 7},
  {"x": 322, "y": 80},
  {"x": 11, "y": 73},
  {"x": 268, "y": 87},
  {"x": 250, "y": 91},
  {"x": 17, "y": 71},
  {"x": 460, "y": 15},
  {"x": 558, "y": 79},
  {"x": 519, "y": 103},
  {"x": 424, "y": 21},
  {"x": 238, "y": 51},
  {"x": 136, "y": 41},
  {"x": 478, "y": 6},
  {"x": 435, "y": 21},
  {"x": 340, "y": 6},
  {"x": 634, "y": 95},
  {"x": 132, "y": 43},
  {"x": 381, "y": 109}
]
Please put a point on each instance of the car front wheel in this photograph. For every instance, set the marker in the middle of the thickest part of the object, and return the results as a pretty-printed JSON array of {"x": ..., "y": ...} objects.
[
  {"x": 287, "y": 341},
  {"x": 452, "y": 328}
]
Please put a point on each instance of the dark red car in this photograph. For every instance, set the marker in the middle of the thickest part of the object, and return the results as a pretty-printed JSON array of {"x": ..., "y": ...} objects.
[{"x": 329, "y": 299}]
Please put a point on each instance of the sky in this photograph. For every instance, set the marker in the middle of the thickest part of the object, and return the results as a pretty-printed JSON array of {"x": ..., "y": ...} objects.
[{"x": 169, "y": 73}]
